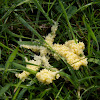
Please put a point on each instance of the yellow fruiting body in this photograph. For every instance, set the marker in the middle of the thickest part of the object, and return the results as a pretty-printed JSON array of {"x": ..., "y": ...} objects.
[
  {"x": 41, "y": 49},
  {"x": 22, "y": 76},
  {"x": 70, "y": 50},
  {"x": 50, "y": 38},
  {"x": 46, "y": 76}
]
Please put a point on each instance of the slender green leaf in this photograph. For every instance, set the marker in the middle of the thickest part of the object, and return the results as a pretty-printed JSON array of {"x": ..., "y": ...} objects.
[
  {"x": 85, "y": 6},
  {"x": 91, "y": 87},
  {"x": 8, "y": 12},
  {"x": 29, "y": 27},
  {"x": 38, "y": 12},
  {"x": 36, "y": 2},
  {"x": 17, "y": 86},
  {"x": 50, "y": 6},
  {"x": 11, "y": 58},
  {"x": 66, "y": 18},
  {"x": 2, "y": 45},
  {"x": 12, "y": 8},
  {"x": 4, "y": 89},
  {"x": 90, "y": 32},
  {"x": 71, "y": 11},
  {"x": 87, "y": 78},
  {"x": 44, "y": 92},
  {"x": 22, "y": 2},
  {"x": 59, "y": 91},
  {"x": 68, "y": 77},
  {"x": 0, "y": 53},
  {"x": 29, "y": 43},
  {"x": 15, "y": 95},
  {"x": 97, "y": 61},
  {"x": 16, "y": 35},
  {"x": 89, "y": 44},
  {"x": 23, "y": 68},
  {"x": 20, "y": 95}
]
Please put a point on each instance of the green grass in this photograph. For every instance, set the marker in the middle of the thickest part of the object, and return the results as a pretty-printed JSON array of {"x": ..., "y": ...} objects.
[{"x": 22, "y": 20}]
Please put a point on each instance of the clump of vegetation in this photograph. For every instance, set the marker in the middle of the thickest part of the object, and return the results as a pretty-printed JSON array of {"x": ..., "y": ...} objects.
[{"x": 24, "y": 21}]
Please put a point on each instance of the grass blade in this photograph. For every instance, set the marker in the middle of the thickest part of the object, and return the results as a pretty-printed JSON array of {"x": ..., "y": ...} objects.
[
  {"x": 44, "y": 92},
  {"x": 88, "y": 77},
  {"x": 10, "y": 59},
  {"x": 22, "y": 2},
  {"x": 90, "y": 32},
  {"x": 2, "y": 45},
  {"x": 4, "y": 89},
  {"x": 66, "y": 18},
  {"x": 12, "y": 8},
  {"x": 23, "y": 68},
  {"x": 89, "y": 44},
  {"x": 59, "y": 92},
  {"x": 8, "y": 12},
  {"x": 14, "y": 97},
  {"x": 29, "y": 27},
  {"x": 91, "y": 87},
  {"x": 97, "y": 61},
  {"x": 41, "y": 9},
  {"x": 68, "y": 77},
  {"x": 0, "y": 53},
  {"x": 21, "y": 94},
  {"x": 29, "y": 43},
  {"x": 16, "y": 35},
  {"x": 85, "y": 6},
  {"x": 50, "y": 7}
]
